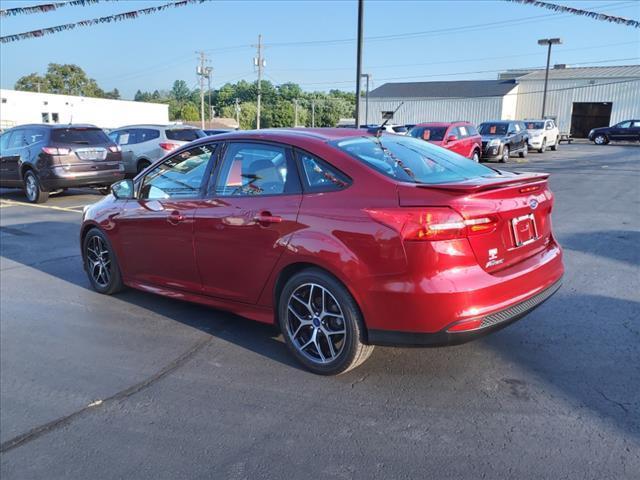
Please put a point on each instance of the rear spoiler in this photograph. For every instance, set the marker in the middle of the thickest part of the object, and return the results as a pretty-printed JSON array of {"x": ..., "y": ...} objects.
[{"x": 486, "y": 183}]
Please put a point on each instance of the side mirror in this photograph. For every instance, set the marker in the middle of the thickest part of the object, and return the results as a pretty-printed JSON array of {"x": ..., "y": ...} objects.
[
  {"x": 124, "y": 189},
  {"x": 452, "y": 138}
]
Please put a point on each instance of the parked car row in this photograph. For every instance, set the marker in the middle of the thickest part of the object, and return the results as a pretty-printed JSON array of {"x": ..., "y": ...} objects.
[{"x": 45, "y": 158}]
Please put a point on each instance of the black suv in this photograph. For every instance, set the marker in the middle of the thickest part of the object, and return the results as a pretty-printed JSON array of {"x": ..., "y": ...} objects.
[
  {"x": 627, "y": 131},
  {"x": 45, "y": 158},
  {"x": 502, "y": 138}
]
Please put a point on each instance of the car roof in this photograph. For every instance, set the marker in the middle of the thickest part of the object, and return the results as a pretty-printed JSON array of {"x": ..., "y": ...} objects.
[
  {"x": 155, "y": 125},
  {"x": 55, "y": 125},
  {"x": 294, "y": 136},
  {"x": 442, "y": 124}
]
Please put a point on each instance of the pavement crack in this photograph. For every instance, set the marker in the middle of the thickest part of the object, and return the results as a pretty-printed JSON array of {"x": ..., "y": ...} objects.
[
  {"x": 621, "y": 405},
  {"x": 37, "y": 432}
]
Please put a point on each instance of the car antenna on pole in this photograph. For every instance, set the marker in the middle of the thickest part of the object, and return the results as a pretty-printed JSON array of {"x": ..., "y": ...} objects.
[{"x": 380, "y": 129}]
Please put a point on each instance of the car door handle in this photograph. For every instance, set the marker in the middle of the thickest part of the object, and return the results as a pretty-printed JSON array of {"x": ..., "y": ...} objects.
[
  {"x": 266, "y": 217},
  {"x": 175, "y": 217}
]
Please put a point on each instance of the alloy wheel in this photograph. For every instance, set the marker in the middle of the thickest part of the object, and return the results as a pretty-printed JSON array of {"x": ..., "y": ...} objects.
[
  {"x": 98, "y": 261},
  {"x": 315, "y": 323},
  {"x": 31, "y": 187},
  {"x": 476, "y": 157},
  {"x": 599, "y": 140}
]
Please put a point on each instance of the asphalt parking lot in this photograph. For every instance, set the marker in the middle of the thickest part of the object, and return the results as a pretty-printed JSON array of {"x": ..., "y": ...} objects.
[{"x": 138, "y": 386}]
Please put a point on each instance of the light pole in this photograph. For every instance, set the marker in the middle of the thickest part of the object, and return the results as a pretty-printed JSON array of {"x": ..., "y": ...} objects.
[
  {"x": 549, "y": 42},
  {"x": 359, "y": 59},
  {"x": 366, "y": 97}
]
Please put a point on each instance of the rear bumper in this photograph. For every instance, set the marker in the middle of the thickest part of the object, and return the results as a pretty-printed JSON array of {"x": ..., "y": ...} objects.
[
  {"x": 489, "y": 323},
  {"x": 55, "y": 178}
]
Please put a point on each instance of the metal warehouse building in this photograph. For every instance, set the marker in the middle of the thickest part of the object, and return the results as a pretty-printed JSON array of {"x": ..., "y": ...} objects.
[{"x": 578, "y": 98}]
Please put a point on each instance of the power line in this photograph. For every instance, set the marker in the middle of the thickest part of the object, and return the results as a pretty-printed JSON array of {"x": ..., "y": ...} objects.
[{"x": 469, "y": 72}]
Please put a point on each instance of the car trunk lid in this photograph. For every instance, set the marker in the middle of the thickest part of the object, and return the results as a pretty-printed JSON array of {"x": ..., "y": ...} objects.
[{"x": 508, "y": 218}]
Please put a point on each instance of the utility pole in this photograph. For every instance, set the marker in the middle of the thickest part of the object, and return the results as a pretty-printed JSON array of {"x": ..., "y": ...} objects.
[
  {"x": 259, "y": 63},
  {"x": 295, "y": 112},
  {"x": 238, "y": 112},
  {"x": 203, "y": 71},
  {"x": 359, "y": 60},
  {"x": 549, "y": 42}
]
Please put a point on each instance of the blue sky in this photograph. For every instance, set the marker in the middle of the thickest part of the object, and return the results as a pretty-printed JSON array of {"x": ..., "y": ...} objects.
[{"x": 152, "y": 51}]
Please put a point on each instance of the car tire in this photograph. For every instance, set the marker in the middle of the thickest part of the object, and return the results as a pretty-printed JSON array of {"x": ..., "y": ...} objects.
[
  {"x": 33, "y": 189},
  {"x": 555, "y": 146},
  {"x": 313, "y": 309},
  {"x": 600, "y": 139},
  {"x": 505, "y": 154},
  {"x": 524, "y": 152},
  {"x": 142, "y": 164},
  {"x": 100, "y": 263},
  {"x": 543, "y": 147},
  {"x": 476, "y": 156}
]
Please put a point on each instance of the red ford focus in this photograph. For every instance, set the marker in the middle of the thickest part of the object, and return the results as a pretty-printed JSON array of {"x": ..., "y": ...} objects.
[{"x": 342, "y": 239}]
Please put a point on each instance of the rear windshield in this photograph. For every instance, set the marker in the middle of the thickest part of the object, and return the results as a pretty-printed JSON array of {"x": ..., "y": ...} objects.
[
  {"x": 184, "y": 134},
  {"x": 534, "y": 125},
  {"x": 434, "y": 134},
  {"x": 80, "y": 136},
  {"x": 409, "y": 160},
  {"x": 493, "y": 128}
]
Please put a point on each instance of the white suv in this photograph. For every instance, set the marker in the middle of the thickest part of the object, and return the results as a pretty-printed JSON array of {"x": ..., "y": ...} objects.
[{"x": 543, "y": 134}]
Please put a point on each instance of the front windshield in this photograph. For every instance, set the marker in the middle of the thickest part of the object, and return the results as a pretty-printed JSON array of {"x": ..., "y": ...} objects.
[
  {"x": 493, "y": 128},
  {"x": 430, "y": 134},
  {"x": 534, "y": 125},
  {"x": 409, "y": 160}
]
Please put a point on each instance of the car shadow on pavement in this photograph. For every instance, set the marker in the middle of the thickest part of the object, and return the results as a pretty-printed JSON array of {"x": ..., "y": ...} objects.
[
  {"x": 582, "y": 348},
  {"x": 620, "y": 245}
]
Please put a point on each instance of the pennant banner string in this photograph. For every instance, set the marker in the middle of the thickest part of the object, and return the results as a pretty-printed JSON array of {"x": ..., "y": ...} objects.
[
  {"x": 95, "y": 21},
  {"x": 577, "y": 11},
  {"x": 48, "y": 7}
]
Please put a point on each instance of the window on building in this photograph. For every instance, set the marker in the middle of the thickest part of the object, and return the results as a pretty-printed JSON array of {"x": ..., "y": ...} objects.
[
  {"x": 55, "y": 118},
  {"x": 45, "y": 117}
]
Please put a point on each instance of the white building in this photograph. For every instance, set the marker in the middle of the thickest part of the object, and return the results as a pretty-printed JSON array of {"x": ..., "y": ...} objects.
[
  {"x": 579, "y": 99},
  {"x": 473, "y": 101},
  {"x": 18, "y": 108}
]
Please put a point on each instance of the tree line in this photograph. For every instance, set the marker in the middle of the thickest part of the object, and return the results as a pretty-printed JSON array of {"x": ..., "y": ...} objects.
[{"x": 232, "y": 100}]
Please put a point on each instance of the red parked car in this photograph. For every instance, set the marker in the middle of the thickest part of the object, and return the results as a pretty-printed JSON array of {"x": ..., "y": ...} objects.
[
  {"x": 343, "y": 239},
  {"x": 459, "y": 137}
]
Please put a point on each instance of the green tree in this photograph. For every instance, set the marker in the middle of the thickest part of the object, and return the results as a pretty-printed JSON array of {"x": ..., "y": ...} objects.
[
  {"x": 63, "y": 79},
  {"x": 32, "y": 83},
  {"x": 189, "y": 112},
  {"x": 180, "y": 91}
]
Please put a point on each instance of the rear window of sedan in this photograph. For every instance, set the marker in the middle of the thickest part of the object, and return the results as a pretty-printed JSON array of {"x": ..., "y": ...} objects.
[
  {"x": 410, "y": 160},
  {"x": 184, "y": 134},
  {"x": 80, "y": 136}
]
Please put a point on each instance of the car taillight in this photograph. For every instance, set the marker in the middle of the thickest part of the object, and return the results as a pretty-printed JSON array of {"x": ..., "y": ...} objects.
[
  {"x": 115, "y": 148},
  {"x": 437, "y": 223},
  {"x": 168, "y": 146},
  {"x": 56, "y": 151}
]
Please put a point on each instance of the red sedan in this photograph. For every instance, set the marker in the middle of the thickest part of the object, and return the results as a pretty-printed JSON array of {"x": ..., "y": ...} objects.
[
  {"x": 459, "y": 137},
  {"x": 344, "y": 240}
]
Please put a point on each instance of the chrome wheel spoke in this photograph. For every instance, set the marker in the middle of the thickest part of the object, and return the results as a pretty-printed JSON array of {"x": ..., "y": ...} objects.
[{"x": 321, "y": 335}]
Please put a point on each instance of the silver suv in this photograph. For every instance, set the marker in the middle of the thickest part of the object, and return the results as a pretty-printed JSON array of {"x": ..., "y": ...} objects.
[{"x": 144, "y": 144}]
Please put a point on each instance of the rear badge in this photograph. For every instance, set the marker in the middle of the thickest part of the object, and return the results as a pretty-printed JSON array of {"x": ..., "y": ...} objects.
[
  {"x": 533, "y": 203},
  {"x": 493, "y": 258}
]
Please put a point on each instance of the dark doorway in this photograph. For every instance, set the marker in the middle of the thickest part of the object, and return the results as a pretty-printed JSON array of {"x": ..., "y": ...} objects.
[{"x": 588, "y": 115}]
